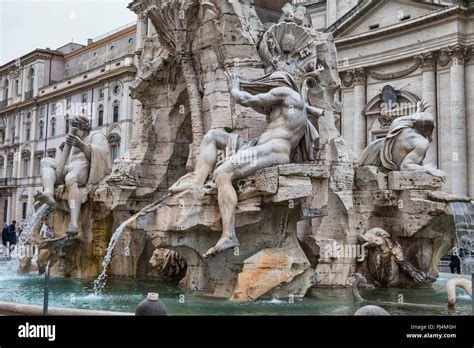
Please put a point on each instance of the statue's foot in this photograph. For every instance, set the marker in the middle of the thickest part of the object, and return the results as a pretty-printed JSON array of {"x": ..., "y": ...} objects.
[
  {"x": 222, "y": 245},
  {"x": 72, "y": 230},
  {"x": 181, "y": 187},
  {"x": 46, "y": 198}
]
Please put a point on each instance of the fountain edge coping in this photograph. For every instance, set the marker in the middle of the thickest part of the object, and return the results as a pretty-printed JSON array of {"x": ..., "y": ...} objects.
[{"x": 15, "y": 309}]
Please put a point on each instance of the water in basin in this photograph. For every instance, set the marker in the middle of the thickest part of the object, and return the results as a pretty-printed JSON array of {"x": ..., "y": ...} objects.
[{"x": 124, "y": 295}]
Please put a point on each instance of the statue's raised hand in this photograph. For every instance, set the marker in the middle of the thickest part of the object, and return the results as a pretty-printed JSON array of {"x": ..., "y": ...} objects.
[
  {"x": 233, "y": 81},
  {"x": 73, "y": 140}
]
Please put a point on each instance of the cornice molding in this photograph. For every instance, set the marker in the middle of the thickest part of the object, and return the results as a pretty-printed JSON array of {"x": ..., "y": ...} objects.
[{"x": 62, "y": 93}]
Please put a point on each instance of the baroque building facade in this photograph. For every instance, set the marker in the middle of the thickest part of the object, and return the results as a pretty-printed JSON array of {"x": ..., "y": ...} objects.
[
  {"x": 42, "y": 90},
  {"x": 392, "y": 54}
]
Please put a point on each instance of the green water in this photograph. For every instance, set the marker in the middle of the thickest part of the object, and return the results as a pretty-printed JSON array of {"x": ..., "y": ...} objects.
[{"x": 124, "y": 295}]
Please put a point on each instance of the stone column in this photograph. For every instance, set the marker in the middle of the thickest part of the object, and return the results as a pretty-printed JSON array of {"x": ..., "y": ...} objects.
[
  {"x": 458, "y": 133},
  {"x": 428, "y": 66},
  {"x": 360, "y": 101},
  {"x": 140, "y": 30},
  {"x": 9, "y": 209},
  {"x": 470, "y": 125}
]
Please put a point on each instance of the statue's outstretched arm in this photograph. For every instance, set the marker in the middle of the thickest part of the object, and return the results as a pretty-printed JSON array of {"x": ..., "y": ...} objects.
[
  {"x": 255, "y": 101},
  {"x": 312, "y": 111},
  {"x": 246, "y": 99}
]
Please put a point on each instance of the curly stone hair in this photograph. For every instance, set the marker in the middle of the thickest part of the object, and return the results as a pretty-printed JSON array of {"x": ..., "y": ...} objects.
[{"x": 81, "y": 122}]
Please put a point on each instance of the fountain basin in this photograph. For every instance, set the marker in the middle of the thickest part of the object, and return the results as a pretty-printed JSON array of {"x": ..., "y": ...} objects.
[{"x": 123, "y": 295}]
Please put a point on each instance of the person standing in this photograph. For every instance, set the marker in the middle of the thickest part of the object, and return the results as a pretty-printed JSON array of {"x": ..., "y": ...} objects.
[
  {"x": 455, "y": 264},
  {"x": 11, "y": 238}
]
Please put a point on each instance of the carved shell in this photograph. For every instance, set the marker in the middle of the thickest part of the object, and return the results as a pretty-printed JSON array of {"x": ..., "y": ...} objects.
[{"x": 301, "y": 58}]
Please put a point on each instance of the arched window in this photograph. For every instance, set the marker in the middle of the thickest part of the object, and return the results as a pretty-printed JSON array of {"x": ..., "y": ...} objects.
[
  {"x": 13, "y": 134},
  {"x": 25, "y": 159},
  {"x": 38, "y": 158},
  {"x": 28, "y": 127},
  {"x": 31, "y": 79},
  {"x": 5, "y": 91},
  {"x": 10, "y": 166},
  {"x": 116, "y": 89},
  {"x": 100, "y": 116},
  {"x": 24, "y": 209},
  {"x": 53, "y": 127},
  {"x": 41, "y": 130},
  {"x": 27, "y": 132},
  {"x": 116, "y": 111},
  {"x": 114, "y": 142}
]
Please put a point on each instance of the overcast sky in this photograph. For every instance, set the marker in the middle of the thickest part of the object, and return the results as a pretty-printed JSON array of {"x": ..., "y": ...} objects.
[{"x": 29, "y": 24}]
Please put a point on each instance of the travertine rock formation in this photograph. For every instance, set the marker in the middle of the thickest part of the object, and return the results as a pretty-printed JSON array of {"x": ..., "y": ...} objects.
[{"x": 269, "y": 259}]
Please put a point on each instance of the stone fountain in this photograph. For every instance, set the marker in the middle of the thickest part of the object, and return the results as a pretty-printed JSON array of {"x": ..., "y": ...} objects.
[{"x": 270, "y": 201}]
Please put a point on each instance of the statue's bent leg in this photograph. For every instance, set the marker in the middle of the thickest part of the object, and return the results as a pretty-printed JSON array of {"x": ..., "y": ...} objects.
[
  {"x": 227, "y": 199},
  {"x": 49, "y": 178},
  {"x": 214, "y": 140},
  {"x": 243, "y": 164},
  {"x": 74, "y": 179}
]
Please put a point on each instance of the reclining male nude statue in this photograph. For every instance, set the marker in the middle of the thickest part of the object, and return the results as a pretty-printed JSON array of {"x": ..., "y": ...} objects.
[
  {"x": 406, "y": 144},
  {"x": 277, "y": 96},
  {"x": 90, "y": 162}
]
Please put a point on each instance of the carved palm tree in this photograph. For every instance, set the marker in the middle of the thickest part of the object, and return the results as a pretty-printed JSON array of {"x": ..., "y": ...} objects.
[{"x": 175, "y": 23}]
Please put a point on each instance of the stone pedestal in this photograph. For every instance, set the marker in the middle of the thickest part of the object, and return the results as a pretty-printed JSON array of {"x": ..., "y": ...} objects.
[
  {"x": 411, "y": 207},
  {"x": 270, "y": 260}
]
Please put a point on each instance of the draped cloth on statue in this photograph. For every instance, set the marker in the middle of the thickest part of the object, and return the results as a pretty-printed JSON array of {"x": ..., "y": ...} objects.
[
  {"x": 379, "y": 153},
  {"x": 101, "y": 163},
  {"x": 275, "y": 80}
]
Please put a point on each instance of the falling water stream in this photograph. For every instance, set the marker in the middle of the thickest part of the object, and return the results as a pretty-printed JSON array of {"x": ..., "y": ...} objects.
[
  {"x": 35, "y": 221},
  {"x": 101, "y": 280},
  {"x": 463, "y": 213}
]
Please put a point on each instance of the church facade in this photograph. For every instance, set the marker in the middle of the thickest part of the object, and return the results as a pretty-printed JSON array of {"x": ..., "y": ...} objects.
[{"x": 393, "y": 54}]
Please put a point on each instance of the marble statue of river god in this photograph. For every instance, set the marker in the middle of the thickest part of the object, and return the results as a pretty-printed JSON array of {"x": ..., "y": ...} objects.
[
  {"x": 406, "y": 145},
  {"x": 277, "y": 96},
  {"x": 88, "y": 154}
]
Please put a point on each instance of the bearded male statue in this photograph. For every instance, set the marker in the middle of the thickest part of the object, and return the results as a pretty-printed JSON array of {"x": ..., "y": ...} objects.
[
  {"x": 406, "y": 144},
  {"x": 89, "y": 163},
  {"x": 277, "y": 96}
]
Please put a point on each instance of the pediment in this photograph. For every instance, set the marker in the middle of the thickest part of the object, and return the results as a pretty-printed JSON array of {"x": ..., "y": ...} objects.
[{"x": 383, "y": 14}]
